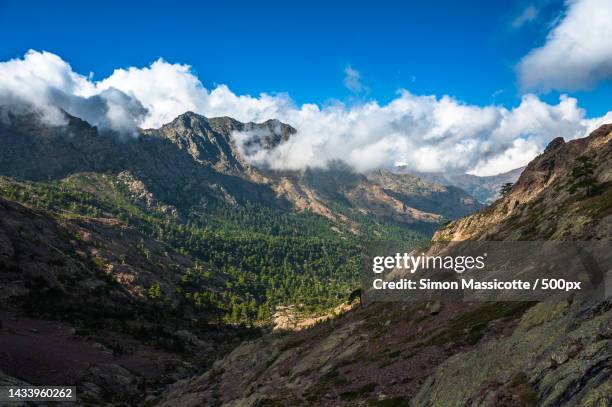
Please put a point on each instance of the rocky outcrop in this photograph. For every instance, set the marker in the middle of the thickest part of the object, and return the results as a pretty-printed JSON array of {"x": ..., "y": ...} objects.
[
  {"x": 292, "y": 318},
  {"x": 139, "y": 193},
  {"x": 558, "y": 354}
]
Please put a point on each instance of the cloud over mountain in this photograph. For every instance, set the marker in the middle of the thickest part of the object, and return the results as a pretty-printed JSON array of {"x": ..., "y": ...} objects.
[
  {"x": 43, "y": 82},
  {"x": 429, "y": 133}
]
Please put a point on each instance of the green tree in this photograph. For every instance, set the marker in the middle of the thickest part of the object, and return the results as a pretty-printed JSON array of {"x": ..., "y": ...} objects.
[{"x": 505, "y": 188}]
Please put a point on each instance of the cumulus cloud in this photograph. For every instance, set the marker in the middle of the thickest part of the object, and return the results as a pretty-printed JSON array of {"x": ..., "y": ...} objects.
[
  {"x": 42, "y": 82},
  {"x": 427, "y": 132},
  {"x": 577, "y": 52},
  {"x": 527, "y": 15}
]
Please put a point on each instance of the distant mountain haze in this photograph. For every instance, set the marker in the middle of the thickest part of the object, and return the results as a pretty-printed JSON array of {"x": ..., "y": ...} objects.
[{"x": 484, "y": 188}]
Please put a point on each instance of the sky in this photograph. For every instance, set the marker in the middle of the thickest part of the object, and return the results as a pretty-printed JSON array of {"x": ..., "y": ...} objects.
[{"x": 478, "y": 86}]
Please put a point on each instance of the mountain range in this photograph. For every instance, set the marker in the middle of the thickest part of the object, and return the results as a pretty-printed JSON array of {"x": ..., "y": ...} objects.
[{"x": 147, "y": 268}]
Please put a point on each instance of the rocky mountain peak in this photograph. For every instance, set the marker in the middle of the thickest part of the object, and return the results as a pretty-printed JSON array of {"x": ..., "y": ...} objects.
[
  {"x": 555, "y": 143},
  {"x": 211, "y": 141},
  {"x": 188, "y": 120}
]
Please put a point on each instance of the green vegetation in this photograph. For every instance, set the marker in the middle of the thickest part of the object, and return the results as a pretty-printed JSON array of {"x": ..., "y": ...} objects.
[
  {"x": 584, "y": 179},
  {"x": 155, "y": 292},
  {"x": 598, "y": 206},
  {"x": 272, "y": 257},
  {"x": 506, "y": 188}
]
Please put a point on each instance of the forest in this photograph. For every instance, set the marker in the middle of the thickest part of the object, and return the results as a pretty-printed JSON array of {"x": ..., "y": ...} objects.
[{"x": 272, "y": 257}]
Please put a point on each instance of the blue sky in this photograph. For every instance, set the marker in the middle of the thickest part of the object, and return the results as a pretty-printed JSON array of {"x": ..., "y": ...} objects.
[{"x": 465, "y": 49}]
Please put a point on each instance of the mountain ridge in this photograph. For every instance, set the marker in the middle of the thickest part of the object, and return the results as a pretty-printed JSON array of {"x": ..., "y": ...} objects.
[
  {"x": 558, "y": 184},
  {"x": 195, "y": 159}
]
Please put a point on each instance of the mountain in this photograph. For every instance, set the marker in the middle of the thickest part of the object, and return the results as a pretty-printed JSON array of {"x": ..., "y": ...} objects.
[
  {"x": 452, "y": 353},
  {"x": 563, "y": 193},
  {"x": 187, "y": 184},
  {"x": 132, "y": 253},
  {"x": 210, "y": 142},
  {"x": 194, "y": 161},
  {"x": 484, "y": 188},
  {"x": 342, "y": 195},
  {"x": 451, "y": 202}
]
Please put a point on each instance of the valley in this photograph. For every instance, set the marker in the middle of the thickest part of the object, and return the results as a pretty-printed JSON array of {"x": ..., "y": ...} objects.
[
  {"x": 306, "y": 204},
  {"x": 425, "y": 353},
  {"x": 161, "y": 264},
  {"x": 170, "y": 244}
]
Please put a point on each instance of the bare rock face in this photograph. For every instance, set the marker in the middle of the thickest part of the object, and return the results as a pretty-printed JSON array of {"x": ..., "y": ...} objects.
[
  {"x": 195, "y": 135},
  {"x": 211, "y": 142},
  {"x": 102, "y": 382},
  {"x": 139, "y": 192}
]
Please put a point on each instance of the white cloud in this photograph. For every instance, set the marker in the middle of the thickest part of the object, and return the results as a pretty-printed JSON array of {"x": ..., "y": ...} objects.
[
  {"x": 352, "y": 80},
  {"x": 43, "y": 82},
  {"x": 529, "y": 14},
  {"x": 577, "y": 53},
  {"x": 428, "y": 133}
]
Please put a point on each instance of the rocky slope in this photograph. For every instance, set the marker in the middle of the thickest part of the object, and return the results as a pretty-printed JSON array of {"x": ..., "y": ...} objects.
[
  {"x": 210, "y": 141},
  {"x": 338, "y": 192},
  {"x": 451, "y": 353},
  {"x": 91, "y": 302},
  {"x": 413, "y": 191},
  {"x": 566, "y": 192}
]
